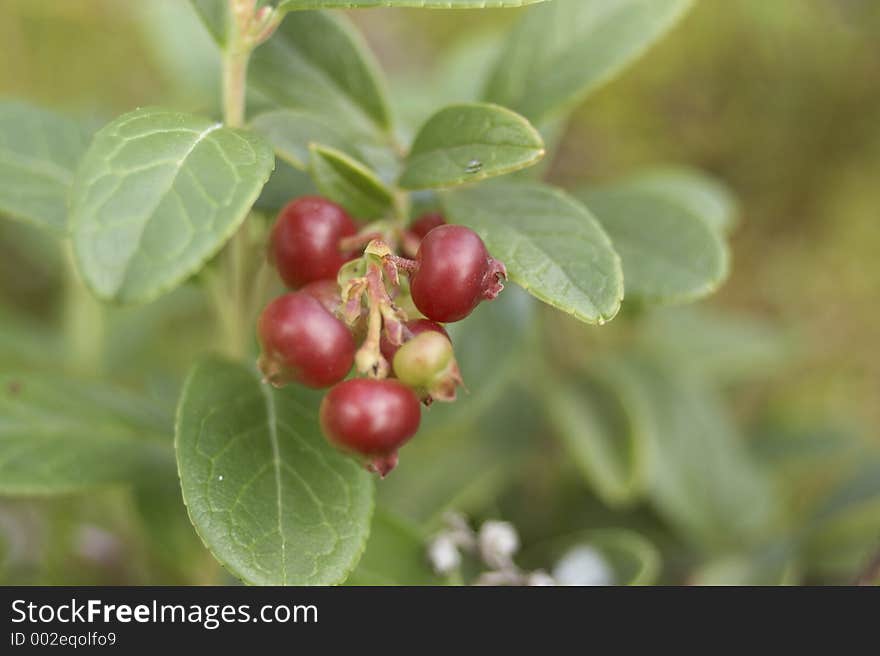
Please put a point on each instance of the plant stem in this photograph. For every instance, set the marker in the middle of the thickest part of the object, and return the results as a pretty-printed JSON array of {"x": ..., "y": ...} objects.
[
  {"x": 231, "y": 301},
  {"x": 236, "y": 274},
  {"x": 401, "y": 208},
  {"x": 235, "y": 65},
  {"x": 406, "y": 265},
  {"x": 83, "y": 320},
  {"x": 369, "y": 359}
]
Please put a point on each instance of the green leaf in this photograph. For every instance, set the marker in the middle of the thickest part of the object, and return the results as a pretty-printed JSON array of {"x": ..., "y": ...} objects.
[
  {"x": 724, "y": 346},
  {"x": 291, "y": 132},
  {"x": 563, "y": 50},
  {"x": 395, "y": 555},
  {"x": 269, "y": 497},
  {"x": 601, "y": 433},
  {"x": 318, "y": 62},
  {"x": 701, "y": 476},
  {"x": 60, "y": 435},
  {"x": 551, "y": 244},
  {"x": 349, "y": 183},
  {"x": 181, "y": 52},
  {"x": 470, "y": 142},
  {"x": 457, "y": 75},
  {"x": 694, "y": 191},
  {"x": 214, "y": 15},
  {"x": 157, "y": 194},
  {"x": 291, "y": 5},
  {"x": 39, "y": 151},
  {"x": 669, "y": 253},
  {"x": 634, "y": 559}
]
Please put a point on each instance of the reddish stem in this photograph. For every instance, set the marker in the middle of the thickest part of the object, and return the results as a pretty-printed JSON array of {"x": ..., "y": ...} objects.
[
  {"x": 404, "y": 264},
  {"x": 369, "y": 357},
  {"x": 358, "y": 242}
]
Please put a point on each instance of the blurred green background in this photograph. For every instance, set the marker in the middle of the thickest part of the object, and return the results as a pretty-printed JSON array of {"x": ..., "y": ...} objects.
[{"x": 781, "y": 100}]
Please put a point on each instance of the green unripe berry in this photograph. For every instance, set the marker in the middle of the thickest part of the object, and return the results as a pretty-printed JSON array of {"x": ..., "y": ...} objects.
[{"x": 423, "y": 359}]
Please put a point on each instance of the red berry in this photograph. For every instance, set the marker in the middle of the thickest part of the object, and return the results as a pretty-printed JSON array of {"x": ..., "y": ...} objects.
[
  {"x": 411, "y": 329},
  {"x": 326, "y": 292},
  {"x": 372, "y": 418},
  {"x": 455, "y": 273},
  {"x": 417, "y": 230},
  {"x": 302, "y": 342},
  {"x": 304, "y": 245},
  {"x": 425, "y": 223}
]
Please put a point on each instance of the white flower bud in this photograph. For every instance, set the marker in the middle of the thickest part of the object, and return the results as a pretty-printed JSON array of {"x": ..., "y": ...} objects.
[
  {"x": 539, "y": 578},
  {"x": 443, "y": 554},
  {"x": 583, "y": 565},
  {"x": 498, "y": 542},
  {"x": 459, "y": 531}
]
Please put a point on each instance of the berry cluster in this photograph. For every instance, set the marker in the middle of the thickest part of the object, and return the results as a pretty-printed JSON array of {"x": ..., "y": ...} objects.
[{"x": 351, "y": 308}]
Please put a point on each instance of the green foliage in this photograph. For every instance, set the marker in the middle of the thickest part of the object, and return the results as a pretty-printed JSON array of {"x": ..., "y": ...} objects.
[
  {"x": 266, "y": 493},
  {"x": 699, "y": 472},
  {"x": 317, "y": 62},
  {"x": 619, "y": 439},
  {"x": 60, "y": 435},
  {"x": 213, "y": 14},
  {"x": 601, "y": 431},
  {"x": 157, "y": 194},
  {"x": 39, "y": 151},
  {"x": 584, "y": 44},
  {"x": 291, "y": 132},
  {"x": 351, "y": 184},
  {"x": 695, "y": 192},
  {"x": 469, "y": 143},
  {"x": 552, "y": 246},
  {"x": 669, "y": 251}
]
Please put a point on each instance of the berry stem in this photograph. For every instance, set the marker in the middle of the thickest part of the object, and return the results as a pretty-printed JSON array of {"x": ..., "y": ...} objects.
[
  {"x": 359, "y": 241},
  {"x": 369, "y": 357},
  {"x": 402, "y": 263}
]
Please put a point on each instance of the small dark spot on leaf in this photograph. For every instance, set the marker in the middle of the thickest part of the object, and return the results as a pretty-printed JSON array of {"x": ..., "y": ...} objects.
[{"x": 14, "y": 387}]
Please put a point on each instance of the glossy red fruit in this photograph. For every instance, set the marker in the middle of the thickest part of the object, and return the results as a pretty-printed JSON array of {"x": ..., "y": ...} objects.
[
  {"x": 326, "y": 292},
  {"x": 454, "y": 273},
  {"x": 302, "y": 342},
  {"x": 425, "y": 223},
  {"x": 304, "y": 245},
  {"x": 371, "y": 418},
  {"x": 411, "y": 329},
  {"x": 417, "y": 230}
]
